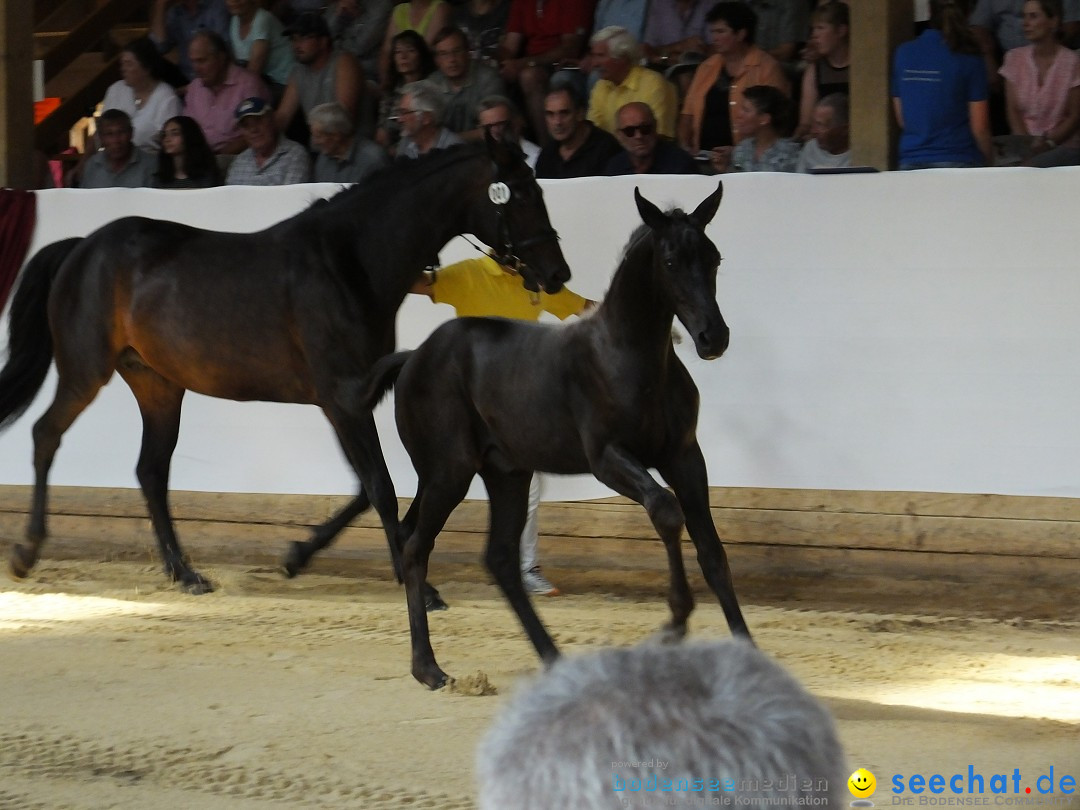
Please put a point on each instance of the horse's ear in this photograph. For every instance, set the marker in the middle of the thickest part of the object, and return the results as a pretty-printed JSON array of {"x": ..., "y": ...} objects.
[
  {"x": 499, "y": 151},
  {"x": 650, "y": 214},
  {"x": 704, "y": 213}
]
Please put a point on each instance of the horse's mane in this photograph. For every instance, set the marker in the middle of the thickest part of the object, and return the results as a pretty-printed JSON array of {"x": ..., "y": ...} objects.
[{"x": 402, "y": 173}]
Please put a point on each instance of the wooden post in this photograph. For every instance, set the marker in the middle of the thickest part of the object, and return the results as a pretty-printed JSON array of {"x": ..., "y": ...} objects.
[
  {"x": 877, "y": 28},
  {"x": 16, "y": 96}
]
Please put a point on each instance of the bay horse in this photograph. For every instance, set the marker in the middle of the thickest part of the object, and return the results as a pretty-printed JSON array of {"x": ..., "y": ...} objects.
[
  {"x": 292, "y": 313},
  {"x": 606, "y": 395}
]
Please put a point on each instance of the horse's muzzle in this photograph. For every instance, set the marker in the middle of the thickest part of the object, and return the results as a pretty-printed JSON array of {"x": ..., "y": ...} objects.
[{"x": 712, "y": 343}]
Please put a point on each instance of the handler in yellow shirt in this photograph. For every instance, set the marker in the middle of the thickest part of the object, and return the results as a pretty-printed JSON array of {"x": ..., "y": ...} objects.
[{"x": 483, "y": 288}]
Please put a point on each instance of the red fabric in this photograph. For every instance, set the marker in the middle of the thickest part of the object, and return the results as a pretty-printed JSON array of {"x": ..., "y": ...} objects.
[
  {"x": 17, "y": 215},
  {"x": 543, "y": 32}
]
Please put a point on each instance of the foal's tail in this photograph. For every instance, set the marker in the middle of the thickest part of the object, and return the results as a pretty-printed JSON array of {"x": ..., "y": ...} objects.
[
  {"x": 30, "y": 347},
  {"x": 381, "y": 378}
]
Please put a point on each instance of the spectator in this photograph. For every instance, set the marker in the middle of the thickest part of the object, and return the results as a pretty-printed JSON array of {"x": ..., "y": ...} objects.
[
  {"x": 271, "y": 159},
  {"x": 185, "y": 159},
  {"x": 939, "y": 91},
  {"x": 576, "y": 147},
  {"x": 483, "y": 22},
  {"x": 1042, "y": 89},
  {"x": 499, "y": 117},
  {"x": 718, "y": 84},
  {"x": 421, "y": 114},
  {"x": 344, "y": 155},
  {"x": 217, "y": 89},
  {"x": 829, "y": 72},
  {"x": 411, "y": 62},
  {"x": 644, "y": 152},
  {"x": 540, "y": 35},
  {"x": 359, "y": 27},
  {"x": 676, "y": 30},
  {"x": 997, "y": 26},
  {"x": 781, "y": 28},
  {"x": 762, "y": 120},
  {"x": 829, "y": 146},
  {"x": 462, "y": 82},
  {"x": 174, "y": 22},
  {"x": 425, "y": 17},
  {"x": 142, "y": 94},
  {"x": 484, "y": 288},
  {"x": 259, "y": 44},
  {"x": 321, "y": 75},
  {"x": 628, "y": 14},
  {"x": 616, "y": 54},
  {"x": 118, "y": 164},
  {"x": 715, "y": 723}
]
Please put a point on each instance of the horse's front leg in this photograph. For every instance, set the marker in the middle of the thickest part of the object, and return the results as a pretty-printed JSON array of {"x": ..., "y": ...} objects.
[
  {"x": 689, "y": 477},
  {"x": 508, "y": 496},
  {"x": 299, "y": 553},
  {"x": 159, "y": 402},
  {"x": 359, "y": 440},
  {"x": 618, "y": 469}
]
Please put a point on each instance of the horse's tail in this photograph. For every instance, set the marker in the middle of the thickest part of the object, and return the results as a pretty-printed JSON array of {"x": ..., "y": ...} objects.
[
  {"x": 30, "y": 346},
  {"x": 381, "y": 378}
]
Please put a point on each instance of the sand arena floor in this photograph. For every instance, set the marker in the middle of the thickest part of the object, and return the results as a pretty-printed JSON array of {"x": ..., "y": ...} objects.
[{"x": 120, "y": 692}]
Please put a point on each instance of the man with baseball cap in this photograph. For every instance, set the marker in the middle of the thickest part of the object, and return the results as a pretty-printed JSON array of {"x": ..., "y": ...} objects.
[{"x": 271, "y": 159}]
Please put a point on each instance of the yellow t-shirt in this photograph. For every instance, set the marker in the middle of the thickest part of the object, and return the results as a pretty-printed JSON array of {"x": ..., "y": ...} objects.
[{"x": 481, "y": 288}]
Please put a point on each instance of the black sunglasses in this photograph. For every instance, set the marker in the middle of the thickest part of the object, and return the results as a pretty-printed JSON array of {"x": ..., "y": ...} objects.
[{"x": 644, "y": 129}]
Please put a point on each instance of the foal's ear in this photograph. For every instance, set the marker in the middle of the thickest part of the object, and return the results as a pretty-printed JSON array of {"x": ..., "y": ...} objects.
[
  {"x": 650, "y": 214},
  {"x": 704, "y": 213},
  {"x": 497, "y": 149}
]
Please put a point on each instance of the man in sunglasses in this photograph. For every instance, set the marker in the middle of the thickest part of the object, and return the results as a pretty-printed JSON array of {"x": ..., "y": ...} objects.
[{"x": 644, "y": 151}]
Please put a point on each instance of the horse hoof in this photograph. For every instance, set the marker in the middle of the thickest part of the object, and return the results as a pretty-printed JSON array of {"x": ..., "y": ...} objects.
[
  {"x": 434, "y": 680},
  {"x": 433, "y": 602},
  {"x": 197, "y": 586},
  {"x": 20, "y": 562},
  {"x": 294, "y": 561},
  {"x": 670, "y": 634}
]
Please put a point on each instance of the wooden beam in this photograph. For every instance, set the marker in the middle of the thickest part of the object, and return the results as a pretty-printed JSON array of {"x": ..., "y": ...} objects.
[
  {"x": 88, "y": 34},
  {"x": 16, "y": 96},
  {"x": 877, "y": 28}
]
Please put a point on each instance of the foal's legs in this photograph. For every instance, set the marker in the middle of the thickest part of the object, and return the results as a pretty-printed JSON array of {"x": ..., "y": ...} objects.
[
  {"x": 508, "y": 493},
  {"x": 688, "y": 476},
  {"x": 69, "y": 402},
  {"x": 619, "y": 470},
  {"x": 434, "y": 502},
  {"x": 159, "y": 402}
]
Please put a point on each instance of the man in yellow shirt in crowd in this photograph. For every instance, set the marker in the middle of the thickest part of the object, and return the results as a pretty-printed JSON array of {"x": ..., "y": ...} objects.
[
  {"x": 616, "y": 55},
  {"x": 484, "y": 288}
]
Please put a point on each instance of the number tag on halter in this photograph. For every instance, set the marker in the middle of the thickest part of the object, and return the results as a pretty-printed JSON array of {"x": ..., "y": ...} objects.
[{"x": 499, "y": 193}]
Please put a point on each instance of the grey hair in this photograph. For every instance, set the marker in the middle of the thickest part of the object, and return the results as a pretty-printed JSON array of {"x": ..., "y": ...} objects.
[
  {"x": 717, "y": 719},
  {"x": 426, "y": 98},
  {"x": 495, "y": 100},
  {"x": 621, "y": 43},
  {"x": 332, "y": 118},
  {"x": 838, "y": 103}
]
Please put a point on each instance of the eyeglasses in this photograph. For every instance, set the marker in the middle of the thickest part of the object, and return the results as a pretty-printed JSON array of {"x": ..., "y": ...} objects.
[
  {"x": 644, "y": 129},
  {"x": 494, "y": 124}
]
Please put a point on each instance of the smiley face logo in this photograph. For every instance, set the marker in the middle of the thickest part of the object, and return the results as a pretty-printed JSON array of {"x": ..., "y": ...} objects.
[{"x": 862, "y": 784}]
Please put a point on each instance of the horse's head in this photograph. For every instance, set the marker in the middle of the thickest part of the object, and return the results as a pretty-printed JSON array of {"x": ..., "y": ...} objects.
[
  {"x": 686, "y": 262},
  {"x": 518, "y": 226}
]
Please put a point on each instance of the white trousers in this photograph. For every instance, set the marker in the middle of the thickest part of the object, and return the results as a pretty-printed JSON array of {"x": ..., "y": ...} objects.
[{"x": 530, "y": 535}]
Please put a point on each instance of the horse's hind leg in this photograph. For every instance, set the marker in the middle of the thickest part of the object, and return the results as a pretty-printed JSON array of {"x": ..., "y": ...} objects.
[
  {"x": 300, "y": 553},
  {"x": 68, "y": 403},
  {"x": 159, "y": 402},
  {"x": 508, "y": 494},
  {"x": 622, "y": 472},
  {"x": 688, "y": 476}
]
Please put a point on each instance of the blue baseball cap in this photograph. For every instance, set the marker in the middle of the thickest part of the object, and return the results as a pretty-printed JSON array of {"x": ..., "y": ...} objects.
[{"x": 251, "y": 106}]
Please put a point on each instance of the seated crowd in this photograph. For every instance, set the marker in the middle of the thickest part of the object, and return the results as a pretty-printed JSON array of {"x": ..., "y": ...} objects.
[{"x": 302, "y": 91}]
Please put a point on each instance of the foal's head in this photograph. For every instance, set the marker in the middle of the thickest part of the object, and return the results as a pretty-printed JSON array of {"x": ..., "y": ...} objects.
[
  {"x": 685, "y": 261},
  {"x": 520, "y": 231}
]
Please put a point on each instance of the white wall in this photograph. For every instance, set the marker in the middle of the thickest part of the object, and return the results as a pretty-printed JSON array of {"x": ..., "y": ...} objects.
[{"x": 902, "y": 331}]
